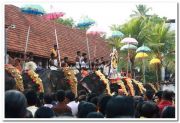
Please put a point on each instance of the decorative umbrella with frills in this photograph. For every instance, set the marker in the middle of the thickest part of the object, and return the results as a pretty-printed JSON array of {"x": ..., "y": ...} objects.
[
  {"x": 93, "y": 31},
  {"x": 155, "y": 61},
  {"x": 143, "y": 49},
  {"x": 128, "y": 46},
  {"x": 142, "y": 55},
  {"x": 128, "y": 41},
  {"x": 55, "y": 16},
  {"x": 85, "y": 22},
  {"x": 115, "y": 34},
  {"x": 32, "y": 9}
]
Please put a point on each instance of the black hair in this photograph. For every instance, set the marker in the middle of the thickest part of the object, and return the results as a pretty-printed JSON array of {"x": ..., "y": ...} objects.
[
  {"x": 82, "y": 92},
  {"x": 90, "y": 96},
  {"x": 94, "y": 100},
  {"x": 167, "y": 95},
  {"x": 55, "y": 45},
  {"x": 149, "y": 94},
  {"x": 82, "y": 98},
  {"x": 95, "y": 115},
  {"x": 31, "y": 97},
  {"x": 103, "y": 102},
  {"x": 159, "y": 94},
  {"x": 44, "y": 112},
  {"x": 78, "y": 52},
  {"x": 120, "y": 106},
  {"x": 48, "y": 99},
  {"x": 85, "y": 108},
  {"x": 10, "y": 83},
  {"x": 15, "y": 104},
  {"x": 168, "y": 112},
  {"x": 60, "y": 95},
  {"x": 70, "y": 95},
  {"x": 149, "y": 110},
  {"x": 84, "y": 54}
]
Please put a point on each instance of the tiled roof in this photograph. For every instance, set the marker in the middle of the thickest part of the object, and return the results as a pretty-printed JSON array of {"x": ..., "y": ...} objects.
[{"x": 42, "y": 37}]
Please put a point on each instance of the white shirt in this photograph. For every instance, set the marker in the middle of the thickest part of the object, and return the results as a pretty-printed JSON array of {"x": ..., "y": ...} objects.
[
  {"x": 32, "y": 109},
  {"x": 74, "y": 107},
  {"x": 48, "y": 105},
  {"x": 53, "y": 68}
]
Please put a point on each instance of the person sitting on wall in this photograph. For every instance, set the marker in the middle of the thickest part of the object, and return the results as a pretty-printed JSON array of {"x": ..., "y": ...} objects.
[
  {"x": 17, "y": 64},
  {"x": 78, "y": 60}
]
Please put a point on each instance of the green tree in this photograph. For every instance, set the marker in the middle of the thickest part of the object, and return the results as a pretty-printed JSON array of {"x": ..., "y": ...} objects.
[
  {"x": 141, "y": 11},
  {"x": 67, "y": 22}
]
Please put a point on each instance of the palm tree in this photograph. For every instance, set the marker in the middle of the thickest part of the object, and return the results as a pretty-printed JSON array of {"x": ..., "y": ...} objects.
[{"x": 141, "y": 11}]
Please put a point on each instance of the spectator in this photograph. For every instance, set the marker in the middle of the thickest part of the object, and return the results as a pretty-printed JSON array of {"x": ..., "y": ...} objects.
[
  {"x": 61, "y": 106},
  {"x": 95, "y": 100},
  {"x": 168, "y": 112},
  {"x": 48, "y": 100},
  {"x": 10, "y": 83},
  {"x": 158, "y": 97},
  {"x": 82, "y": 98},
  {"x": 149, "y": 110},
  {"x": 15, "y": 104},
  {"x": 84, "y": 108},
  {"x": 103, "y": 102},
  {"x": 120, "y": 107},
  {"x": 167, "y": 99},
  {"x": 148, "y": 96},
  {"x": 70, "y": 97},
  {"x": 44, "y": 112},
  {"x": 95, "y": 115},
  {"x": 31, "y": 97},
  {"x": 18, "y": 64}
]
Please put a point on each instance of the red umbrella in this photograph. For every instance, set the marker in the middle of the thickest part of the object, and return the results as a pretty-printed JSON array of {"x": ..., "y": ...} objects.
[{"x": 55, "y": 16}]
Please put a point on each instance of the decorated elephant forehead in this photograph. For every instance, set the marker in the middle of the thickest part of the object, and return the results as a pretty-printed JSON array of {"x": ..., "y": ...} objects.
[{"x": 15, "y": 73}]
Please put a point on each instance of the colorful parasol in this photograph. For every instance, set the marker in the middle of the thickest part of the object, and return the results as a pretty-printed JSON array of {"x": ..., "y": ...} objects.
[
  {"x": 143, "y": 49},
  {"x": 32, "y": 10},
  {"x": 85, "y": 22},
  {"x": 93, "y": 31},
  {"x": 128, "y": 46},
  {"x": 155, "y": 61},
  {"x": 55, "y": 16},
  {"x": 142, "y": 55},
  {"x": 115, "y": 34},
  {"x": 129, "y": 40}
]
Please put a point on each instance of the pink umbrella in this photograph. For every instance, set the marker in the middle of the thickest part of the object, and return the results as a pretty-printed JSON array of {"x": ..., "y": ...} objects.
[
  {"x": 94, "y": 31},
  {"x": 129, "y": 40},
  {"x": 54, "y": 16}
]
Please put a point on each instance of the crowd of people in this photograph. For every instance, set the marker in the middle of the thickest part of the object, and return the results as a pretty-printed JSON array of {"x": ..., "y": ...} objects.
[{"x": 64, "y": 104}]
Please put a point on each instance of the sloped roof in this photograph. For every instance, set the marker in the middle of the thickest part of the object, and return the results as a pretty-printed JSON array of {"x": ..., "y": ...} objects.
[{"x": 42, "y": 37}]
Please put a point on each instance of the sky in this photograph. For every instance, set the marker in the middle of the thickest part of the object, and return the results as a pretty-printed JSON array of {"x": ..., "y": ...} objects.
[{"x": 107, "y": 13}]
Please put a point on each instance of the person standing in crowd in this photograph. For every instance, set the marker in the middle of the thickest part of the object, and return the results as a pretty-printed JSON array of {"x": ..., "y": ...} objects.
[
  {"x": 70, "y": 98},
  {"x": 31, "y": 97},
  {"x": 48, "y": 100},
  {"x": 15, "y": 104},
  {"x": 17, "y": 64},
  {"x": 53, "y": 62},
  {"x": 148, "y": 96},
  {"x": 61, "y": 107},
  {"x": 167, "y": 100},
  {"x": 78, "y": 60},
  {"x": 55, "y": 51}
]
